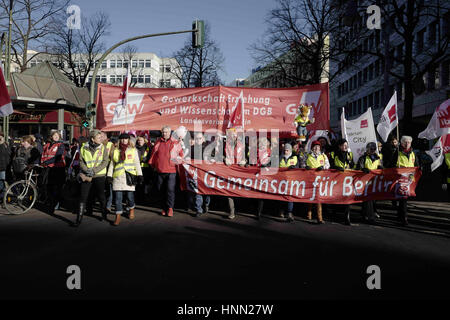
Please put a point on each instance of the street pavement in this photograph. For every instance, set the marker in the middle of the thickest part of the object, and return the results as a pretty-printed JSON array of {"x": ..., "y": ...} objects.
[{"x": 211, "y": 257}]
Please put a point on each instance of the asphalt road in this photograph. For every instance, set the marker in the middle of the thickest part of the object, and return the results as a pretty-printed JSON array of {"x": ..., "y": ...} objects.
[{"x": 211, "y": 257}]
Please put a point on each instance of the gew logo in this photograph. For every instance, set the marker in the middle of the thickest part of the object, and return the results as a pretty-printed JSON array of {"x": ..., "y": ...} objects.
[{"x": 126, "y": 114}]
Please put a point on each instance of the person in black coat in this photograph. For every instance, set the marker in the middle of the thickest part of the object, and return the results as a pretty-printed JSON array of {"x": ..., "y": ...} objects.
[{"x": 5, "y": 154}]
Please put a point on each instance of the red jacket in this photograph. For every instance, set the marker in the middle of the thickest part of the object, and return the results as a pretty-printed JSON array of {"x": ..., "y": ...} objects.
[
  {"x": 166, "y": 155},
  {"x": 51, "y": 157}
]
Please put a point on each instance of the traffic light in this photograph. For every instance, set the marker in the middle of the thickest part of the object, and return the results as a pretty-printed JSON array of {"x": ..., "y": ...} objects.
[
  {"x": 90, "y": 110},
  {"x": 198, "y": 34}
]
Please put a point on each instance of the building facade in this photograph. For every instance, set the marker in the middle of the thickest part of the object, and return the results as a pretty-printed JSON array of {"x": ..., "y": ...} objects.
[
  {"x": 359, "y": 82},
  {"x": 147, "y": 69}
]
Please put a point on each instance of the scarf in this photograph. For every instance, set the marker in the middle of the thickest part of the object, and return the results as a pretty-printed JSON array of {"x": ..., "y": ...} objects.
[
  {"x": 123, "y": 149},
  {"x": 93, "y": 145}
]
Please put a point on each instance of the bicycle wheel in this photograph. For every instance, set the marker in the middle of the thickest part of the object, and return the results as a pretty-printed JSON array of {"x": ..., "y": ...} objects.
[{"x": 20, "y": 197}]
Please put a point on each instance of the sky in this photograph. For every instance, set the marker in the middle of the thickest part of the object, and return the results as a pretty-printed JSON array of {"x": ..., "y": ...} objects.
[{"x": 235, "y": 25}]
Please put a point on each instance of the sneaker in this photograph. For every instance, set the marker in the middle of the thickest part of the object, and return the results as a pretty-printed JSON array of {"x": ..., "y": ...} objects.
[
  {"x": 163, "y": 212},
  {"x": 170, "y": 212},
  {"x": 231, "y": 216},
  {"x": 290, "y": 217}
]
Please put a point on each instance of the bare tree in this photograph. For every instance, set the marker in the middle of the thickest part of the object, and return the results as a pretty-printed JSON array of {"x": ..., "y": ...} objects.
[
  {"x": 77, "y": 50},
  {"x": 129, "y": 55},
  {"x": 199, "y": 67},
  {"x": 32, "y": 23},
  {"x": 413, "y": 55},
  {"x": 296, "y": 47}
]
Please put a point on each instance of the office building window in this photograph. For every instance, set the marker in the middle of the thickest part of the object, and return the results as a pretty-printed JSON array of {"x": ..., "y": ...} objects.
[
  {"x": 104, "y": 64},
  {"x": 365, "y": 104},
  {"x": 134, "y": 63},
  {"x": 103, "y": 79},
  {"x": 148, "y": 78},
  {"x": 119, "y": 64},
  {"x": 377, "y": 68},
  {"x": 371, "y": 72},
  {"x": 112, "y": 79},
  {"x": 365, "y": 75},
  {"x": 133, "y": 79},
  {"x": 119, "y": 79},
  {"x": 112, "y": 63},
  {"x": 167, "y": 68},
  {"x": 445, "y": 73},
  {"x": 161, "y": 68},
  {"x": 359, "y": 78},
  {"x": 376, "y": 102},
  {"x": 359, "y": 106},
  {"x": 371, "y": 101},
  {"x": 148, "y": 63},
  {"x": 141, "y": 63},
  {"x": 431, "y": 82},
  {"x": 432, "y": 33},
  {"x": 125, "y": 63},
  {"x": 141, "y": 78}
]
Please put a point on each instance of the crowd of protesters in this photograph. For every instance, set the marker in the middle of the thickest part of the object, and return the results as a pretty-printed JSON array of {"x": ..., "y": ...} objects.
[{"x": 122, "y": 169}]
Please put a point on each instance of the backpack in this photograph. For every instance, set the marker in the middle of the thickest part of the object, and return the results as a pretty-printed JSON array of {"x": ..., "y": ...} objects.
[{"x": 19, "y": 162}]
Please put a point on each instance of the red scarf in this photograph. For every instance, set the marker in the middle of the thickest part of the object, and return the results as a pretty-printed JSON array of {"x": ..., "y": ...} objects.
[{"x": 123, "y": 149}]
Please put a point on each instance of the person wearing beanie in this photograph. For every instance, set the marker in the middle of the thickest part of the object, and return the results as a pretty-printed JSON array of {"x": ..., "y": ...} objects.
[
  {"x": 93, "y": 163},
  {"x": 342, "y": 160},
  {"x": 367, "y": 162},
  {"x": 318, "y": 161},
  {"x": 125, "y": 160},
  {"x": 290, "y": 161}
]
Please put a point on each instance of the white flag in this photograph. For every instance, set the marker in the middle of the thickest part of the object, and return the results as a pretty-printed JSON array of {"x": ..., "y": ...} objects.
[
  {"x": 439, "y": 124},
  {"x": 359, "y": 132},
  {"x": 437, "y": 154},
  {"x": 389, "y": 118}
]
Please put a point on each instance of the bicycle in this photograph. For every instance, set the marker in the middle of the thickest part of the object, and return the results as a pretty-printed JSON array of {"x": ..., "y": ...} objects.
[{"x": 21, "y": 195}]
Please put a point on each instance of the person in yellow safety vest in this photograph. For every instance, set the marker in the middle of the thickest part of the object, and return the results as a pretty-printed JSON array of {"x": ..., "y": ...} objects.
[
  {"x": 367, "y": 162},
  {"x": 125, "y": 159},
  {"x": 342, "y": 160},
  {"x": 405, "y": 159},
  {"x": 319, "y": 161},
  {"x": 93, "y": 163},
  {"x": 110, "y": 146},
  {"x": 288, "y": 160}
]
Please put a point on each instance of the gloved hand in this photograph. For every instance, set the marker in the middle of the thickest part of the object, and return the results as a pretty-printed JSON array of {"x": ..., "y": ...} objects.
[
  {"x": 90, "y": 172},
  {"x": 365, "y": 170},
  {"x": 291, "y": 167},
  {"x": 341, "y": 169},
  {"x": 319, "y": 168},
  {"x": 109, "y": 180},
  {"x": 444, "y": 186},
  {"x": 307, "y": 167},
  {"x": 140, "y": 180}
]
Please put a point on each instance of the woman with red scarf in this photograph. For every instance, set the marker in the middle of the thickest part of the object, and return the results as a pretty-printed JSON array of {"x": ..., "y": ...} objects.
[{"x": 125, "y": 160}]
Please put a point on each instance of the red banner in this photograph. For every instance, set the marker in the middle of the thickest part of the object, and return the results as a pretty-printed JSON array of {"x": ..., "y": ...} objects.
[
  {"x": 150, "y": 109},
  {"x": 299, "y": 185}
]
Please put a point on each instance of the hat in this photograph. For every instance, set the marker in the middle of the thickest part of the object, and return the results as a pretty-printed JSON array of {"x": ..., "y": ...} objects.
[
  {"x": 371, "y": 145},
  {"x": 114, "y": 139},
  {"x": 316, "y": 143},
  {"x": 124, "y": 136}
]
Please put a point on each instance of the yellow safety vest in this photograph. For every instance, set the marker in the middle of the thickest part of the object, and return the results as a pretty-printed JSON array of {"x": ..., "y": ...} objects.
[
  {"x": 302, "y": 121},
  {"x": 109, "y": 147},
  {"x": 339, "y": 163},
  {"x": 90, "y": 159},
  {"x": 145, "y": 164},
  {"x": 291, "y": 161},
  {"x": 405, "y": 162},
  {"x": 314, "y": 162},
  {"x": 371, "y": 165},
  {"x": 126, "y": 165}
]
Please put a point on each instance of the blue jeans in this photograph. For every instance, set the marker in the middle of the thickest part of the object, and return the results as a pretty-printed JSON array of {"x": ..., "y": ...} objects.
[
  {"x": 130, "y": 197},
  {"x": 302, "y": 131},
  {"x": 2, "y": 184},
  {"x": 290, "y": 207},
  {"x": 198, "y": 200},
  {"x": 109, "y": 196}
]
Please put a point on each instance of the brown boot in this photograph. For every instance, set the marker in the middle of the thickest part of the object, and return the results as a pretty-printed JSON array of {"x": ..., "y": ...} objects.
[
  {"x": 117, "y": 221},
  {"x": 131, "y": 216},
  {"x": 309, "y": 217},
  {"x": 319, "y": 213}
]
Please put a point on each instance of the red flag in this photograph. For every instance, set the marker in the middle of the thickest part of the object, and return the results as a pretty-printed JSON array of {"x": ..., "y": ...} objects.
[
  {"x": 237, "y": 115},
  {"x": 121, "y": 108},
  {"x": 5, "y": 101}
]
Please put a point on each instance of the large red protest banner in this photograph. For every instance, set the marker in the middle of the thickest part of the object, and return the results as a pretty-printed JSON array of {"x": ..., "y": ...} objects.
[
  {"x": 150, "y": 109},
  {"x": 299, "y": 185}
]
